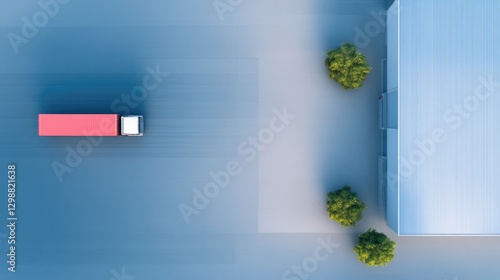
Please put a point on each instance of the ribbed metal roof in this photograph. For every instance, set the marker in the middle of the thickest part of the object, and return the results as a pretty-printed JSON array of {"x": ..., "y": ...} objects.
[{"x": 449, "y": 112}]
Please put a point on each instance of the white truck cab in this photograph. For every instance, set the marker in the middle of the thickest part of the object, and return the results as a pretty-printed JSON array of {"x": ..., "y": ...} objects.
[{"x": 132, "y": 125}]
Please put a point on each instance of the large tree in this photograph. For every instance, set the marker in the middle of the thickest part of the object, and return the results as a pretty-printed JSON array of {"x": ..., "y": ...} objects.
[
  {"x": 375, "y": 248},
  {"x": 348, "y": 66},
  {"x": 343, "y": 206}
]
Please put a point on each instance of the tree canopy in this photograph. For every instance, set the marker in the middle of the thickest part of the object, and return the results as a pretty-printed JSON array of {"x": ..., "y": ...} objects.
[
  {"x": 348, "y": 66},
  {"x": 375, "y": 248},
  {"x": 343, "y": 206}
]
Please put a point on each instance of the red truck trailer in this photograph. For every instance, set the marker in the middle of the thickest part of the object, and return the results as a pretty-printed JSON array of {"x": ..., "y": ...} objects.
[{"x": 89, "y": 125}]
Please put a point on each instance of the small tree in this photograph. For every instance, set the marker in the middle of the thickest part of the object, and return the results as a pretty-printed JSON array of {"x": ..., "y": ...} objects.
[
  {"x": 375, "y": 248},
  {"x": 347, "y": 66},
  {"x": 343, "y": 206}
]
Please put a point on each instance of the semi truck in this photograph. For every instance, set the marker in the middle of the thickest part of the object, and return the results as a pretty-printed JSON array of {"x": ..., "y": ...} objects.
[{"x": 90, "y": 125}]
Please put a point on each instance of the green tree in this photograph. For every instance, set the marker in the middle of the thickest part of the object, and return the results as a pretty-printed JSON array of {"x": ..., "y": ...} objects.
[
  {"x": 343, "y": 206},
  {"x": 348, "y": 66},
  {"x": 375, "y": 248}
]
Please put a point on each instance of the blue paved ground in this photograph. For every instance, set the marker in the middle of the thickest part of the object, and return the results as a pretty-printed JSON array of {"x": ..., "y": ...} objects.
[{"x": 117, "y": 212}]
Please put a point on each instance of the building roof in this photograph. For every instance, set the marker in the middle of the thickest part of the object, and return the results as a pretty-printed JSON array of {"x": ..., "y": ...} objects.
[{"x": 449, "y": 117}]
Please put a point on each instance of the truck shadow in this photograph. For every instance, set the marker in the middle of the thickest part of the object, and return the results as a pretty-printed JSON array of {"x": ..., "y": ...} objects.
[{"x": 87, "y": 70}]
